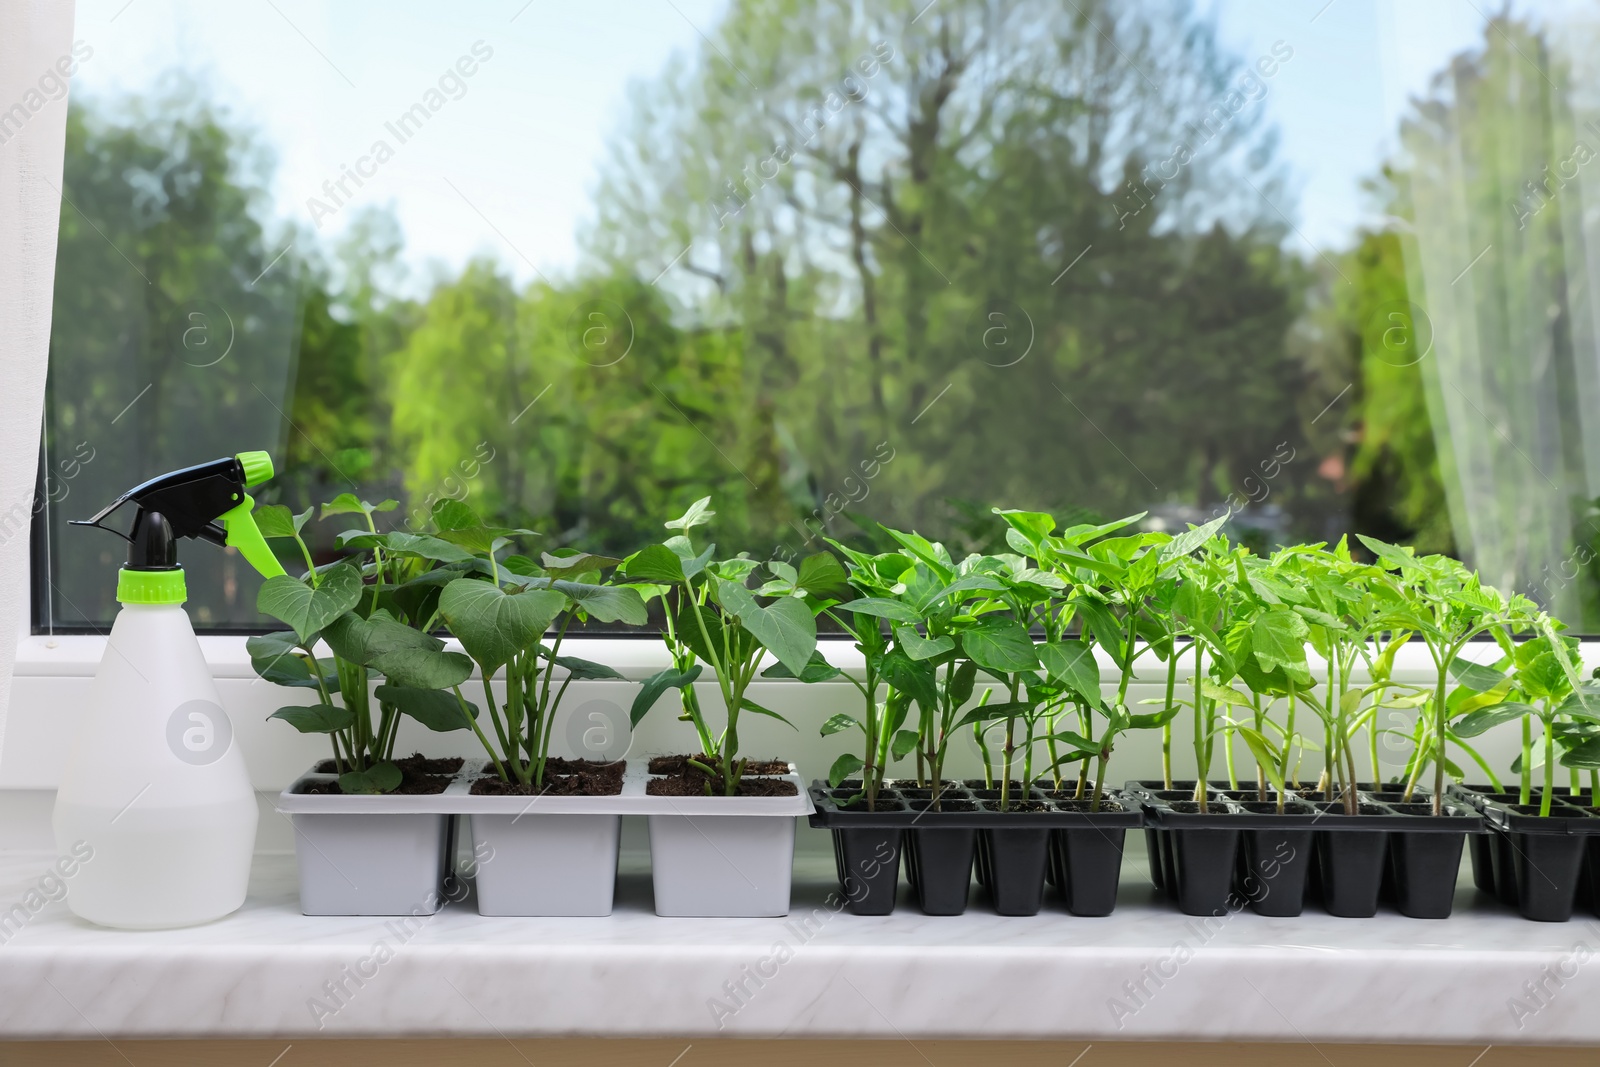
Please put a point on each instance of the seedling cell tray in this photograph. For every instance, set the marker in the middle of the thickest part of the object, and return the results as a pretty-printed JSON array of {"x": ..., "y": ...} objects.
[
  {"x": 1014, "y": 849},
  {"x": 1200, "y": 852},
  {"x": 1539, "y": 862}
]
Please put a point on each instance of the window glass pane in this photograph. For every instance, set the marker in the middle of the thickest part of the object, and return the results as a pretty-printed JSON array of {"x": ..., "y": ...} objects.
[{"x": 1335, "y": 267}]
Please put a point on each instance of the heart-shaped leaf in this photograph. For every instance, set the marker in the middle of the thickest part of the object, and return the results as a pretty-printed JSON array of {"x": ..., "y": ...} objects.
[
  {"x": 821, "y": 575},
  {"x": 315, "y": 719},
  {"x": 493, "y": 625},
  {"x": 785, "y": 628},
  {"x": 699, "y": 514},
  {"x": 608, "y": 603},
  {"x": 655, "y": 563},
  {"x": 817, "y": 669},
  {"x": 307, "y": 610},
  {"x": 379, "y": 778},
  {"x": 436, "y": 709},
  {"x": 275, "y": 520},
  {"x": 423, "y": 668}
]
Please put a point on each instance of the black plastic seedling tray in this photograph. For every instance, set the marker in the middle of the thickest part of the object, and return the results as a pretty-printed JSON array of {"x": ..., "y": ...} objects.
[
  {"x": 1013, "y": 850},
  {"x": 1244, "y": 852},
  {"x": 1541, "y": 865}
]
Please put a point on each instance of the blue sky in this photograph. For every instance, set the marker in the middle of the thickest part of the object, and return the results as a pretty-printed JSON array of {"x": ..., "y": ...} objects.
[{"x": 510, "y": 166}]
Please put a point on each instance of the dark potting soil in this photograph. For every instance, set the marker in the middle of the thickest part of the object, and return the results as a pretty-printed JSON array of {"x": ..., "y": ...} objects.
[
  {"x": 562, "y": 778},
  {"x": 1016, "y": 805},
  {"x": 1068, "y": 802},
  {"x": 979, "y": 783},
  {"x": 679, "y": 764},
  {"x": 422, "y": 764},
  {"x": 414, "y": 781},
  {"x": 945, "y": 804},
  {"x": 694, "y": 785}
]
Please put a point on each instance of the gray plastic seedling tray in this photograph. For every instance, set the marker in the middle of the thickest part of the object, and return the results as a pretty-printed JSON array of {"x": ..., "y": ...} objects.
[{"x": 544, "y": 855}]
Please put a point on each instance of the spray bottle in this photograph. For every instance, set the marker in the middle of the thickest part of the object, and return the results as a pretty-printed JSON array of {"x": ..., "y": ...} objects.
[{"x": 155, "y": 789}]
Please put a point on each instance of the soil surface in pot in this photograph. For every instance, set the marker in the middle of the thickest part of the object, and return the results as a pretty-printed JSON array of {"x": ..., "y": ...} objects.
[
  {"x": 1067, "y": 802},
  {"x": 1021, "y": 806},
  {"x": 420, "y": 776},
  {"x": 693, "y": 784},
  {"x": 562, "y": 778},
  {"x": 678, "y": 765}
]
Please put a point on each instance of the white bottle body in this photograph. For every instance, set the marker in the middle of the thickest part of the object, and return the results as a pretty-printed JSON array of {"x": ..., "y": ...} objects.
[{"x": 155, "y": 784}]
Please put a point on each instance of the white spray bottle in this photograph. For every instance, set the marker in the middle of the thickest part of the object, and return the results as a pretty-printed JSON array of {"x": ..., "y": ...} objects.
[{"x": 155, "y": 791}]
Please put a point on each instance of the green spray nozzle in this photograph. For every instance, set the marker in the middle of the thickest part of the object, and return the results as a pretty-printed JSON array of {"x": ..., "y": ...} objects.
[
  {"x": 207, "y": 501},
  {"x": 257, "y": 467}
]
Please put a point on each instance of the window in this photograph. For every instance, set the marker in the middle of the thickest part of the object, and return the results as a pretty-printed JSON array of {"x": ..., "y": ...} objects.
[{"x": 1335, "y": 266}]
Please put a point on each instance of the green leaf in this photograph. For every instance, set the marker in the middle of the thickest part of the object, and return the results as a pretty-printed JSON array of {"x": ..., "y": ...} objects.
[
  {"x": 275, "y": 520},
  {"x": 1226, "y": 694},
  {"x": 904, "y": 741},
  {"x": 1278, "y": 638},
  {"x": 437, "y": 709},
  {"x": 837, "y": 723},
  {"x": 750, "y": 705},
  {"x": 990, "y": 712},
  {"x": 316, "y": 719},
  {"x": 821, "y": 575},
  {"x": 275, "y": 658},
  {"x": 492, "y": 625},
  {"x": 379, "y": 778},
  {"x": 423, "y": 668},
  {"x": 785, "y": 628},
  {"x": 1584, "y": 757},
  {"x": 307, "y": 610},
  {"x": 587, "y": 670},
  {"x": 346, "y": 504},
  {"x": 1484, "y": 719},
  {"x": 1072, "y": 664},
  {"x": 1086, "y": 745},
  {"x": 1389, "y": 555},
  {"x": 918, "y": 647},
  {"x": 844, "y": 767},
  {"x": 422, "y": 546},
  {"x": 1001, "y": 644},
  {"x": 1192, "y": 539},
  {"x": 1155, "y": 719},
  {"x": 608, "y": 603},
  {"x": 1475, "y": 676},
  {"x": 655, "y": 563},
  {"x": 651, "y": 688},
  {"x": 1266, "y": 754},
  {"x": 817, "y": 670},
  {"x": 916, "y": 679},
  {"x": 699, "y": 514},
  {"x": 1034, "y": 526},
  {"x": 883, "y": 609},
  {"x": 568, "y": 559}
]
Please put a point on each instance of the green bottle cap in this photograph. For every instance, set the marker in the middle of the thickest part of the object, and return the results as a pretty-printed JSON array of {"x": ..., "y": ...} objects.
[
  {"x": 257, "y": 468},
  {"x": 151, "y": 587}
]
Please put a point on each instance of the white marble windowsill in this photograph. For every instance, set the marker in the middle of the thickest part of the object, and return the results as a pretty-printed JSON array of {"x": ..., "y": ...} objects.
[{"x": 261, "y": 972}]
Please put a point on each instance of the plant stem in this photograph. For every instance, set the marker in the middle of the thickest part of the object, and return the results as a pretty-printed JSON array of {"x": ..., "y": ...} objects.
[
  {"x": 1549, "y": 766},
  {"x": 1525, "y": 795},
  {"x": 479, "y": 731},
  {"x": 1440, "y": 714},
  {"x": 1166, "y": 727}
]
